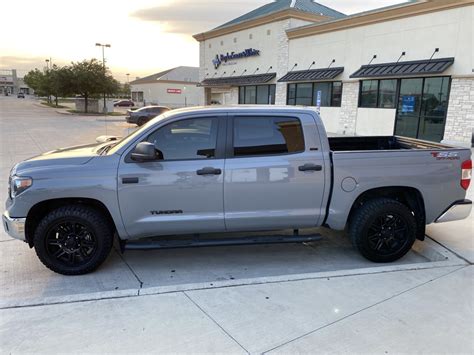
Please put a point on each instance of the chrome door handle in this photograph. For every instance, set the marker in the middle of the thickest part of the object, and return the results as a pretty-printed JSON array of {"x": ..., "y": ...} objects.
[
  {"x": 310, "y": 167},
  {"x": 209, "y": 171}
]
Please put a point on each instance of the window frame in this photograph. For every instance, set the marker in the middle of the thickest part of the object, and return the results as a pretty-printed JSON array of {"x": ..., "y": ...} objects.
[
  {"x": 229, "y": 149},
  {"x": 313, "y": 83}
]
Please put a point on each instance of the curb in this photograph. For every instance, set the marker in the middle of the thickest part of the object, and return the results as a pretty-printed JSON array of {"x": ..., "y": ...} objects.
[{"x": 437, "y": 257}]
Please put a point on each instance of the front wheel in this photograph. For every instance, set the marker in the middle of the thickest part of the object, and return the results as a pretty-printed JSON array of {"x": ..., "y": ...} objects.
[
  {"x": 383, "y": 230},
  {"x": 141, "y": 121},
  {"x": 73, "y": 240}
]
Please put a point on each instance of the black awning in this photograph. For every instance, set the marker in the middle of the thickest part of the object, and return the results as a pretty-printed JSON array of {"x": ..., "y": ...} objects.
[
  {"x": 239, "y": 80},
  {"x": 414, "y": 67},
  {"x": 312, "y": 75}
]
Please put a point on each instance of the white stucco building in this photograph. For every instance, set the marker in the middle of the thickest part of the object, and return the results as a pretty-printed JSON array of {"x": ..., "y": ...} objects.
[
  {"x": 406, "y": 69},
  {"x": 176, "y": 87}
]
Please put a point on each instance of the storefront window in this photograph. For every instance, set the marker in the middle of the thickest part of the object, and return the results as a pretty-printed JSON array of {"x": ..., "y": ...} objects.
[
  {"x": 291, "y": 97},
  {"x": 257, "y": 94},
  {"x": 250, "y": 94},
  {"x": 378, "y": 93},
  {"x": 324, "y": 91},
  {"x": 336, "y": 94},
  {"x": 304, "y": 94},
  {"x": 307, "y": 94},
  {"x": 387, "y": 93},
  {"x": 368, "y": 93},
  {"x": 262, "y": 95}
]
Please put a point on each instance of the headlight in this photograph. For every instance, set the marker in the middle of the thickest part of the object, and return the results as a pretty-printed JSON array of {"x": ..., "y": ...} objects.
[{"x": 19, "y": 184}]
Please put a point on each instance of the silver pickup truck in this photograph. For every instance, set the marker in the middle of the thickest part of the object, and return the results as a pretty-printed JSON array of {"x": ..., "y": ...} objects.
[{"x": 237, "y": 169}]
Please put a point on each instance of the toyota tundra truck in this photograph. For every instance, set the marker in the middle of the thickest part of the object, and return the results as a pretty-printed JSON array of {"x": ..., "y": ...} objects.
[{"x": 233, "y": 169}]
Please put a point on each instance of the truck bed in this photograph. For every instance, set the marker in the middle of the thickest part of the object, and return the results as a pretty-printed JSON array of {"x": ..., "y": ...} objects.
[{"x": 380, "y": 143}]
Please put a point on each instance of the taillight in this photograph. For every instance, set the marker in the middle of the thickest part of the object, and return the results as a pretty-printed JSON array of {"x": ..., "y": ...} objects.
[{"x": 466, "y": 174}]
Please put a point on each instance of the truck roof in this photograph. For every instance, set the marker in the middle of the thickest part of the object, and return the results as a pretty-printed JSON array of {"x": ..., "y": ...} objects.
[{"x": 243, "y": 108}]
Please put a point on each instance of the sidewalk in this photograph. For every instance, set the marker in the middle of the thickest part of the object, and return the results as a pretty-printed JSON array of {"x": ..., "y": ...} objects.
[{"x": 424, "y": 311}]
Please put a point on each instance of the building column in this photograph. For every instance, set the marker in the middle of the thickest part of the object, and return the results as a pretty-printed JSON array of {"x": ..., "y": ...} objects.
[
  {"x": 282, "y": 62},
  {"x": 460, "y": 118},
  {"x": 349, "y": 104}
]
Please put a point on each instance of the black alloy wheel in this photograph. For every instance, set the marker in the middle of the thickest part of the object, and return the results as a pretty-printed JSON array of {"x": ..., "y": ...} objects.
[
  {"x": 73, "y": 240},
  {"x": 383, "y": 229},
  {"x": 71, "y": 243}
]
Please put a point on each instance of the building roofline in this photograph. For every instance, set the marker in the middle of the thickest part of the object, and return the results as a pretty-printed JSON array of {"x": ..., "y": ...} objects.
[
  {"x": 261, "y": 20},
  {"x": 378, "y": 15},
  {"x": 153, "y": 78}
]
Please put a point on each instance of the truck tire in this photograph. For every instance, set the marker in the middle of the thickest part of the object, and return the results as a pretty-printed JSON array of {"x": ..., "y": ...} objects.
[
  {"x": 383, "y": 230},
  {"x": 73, "y": 240}
]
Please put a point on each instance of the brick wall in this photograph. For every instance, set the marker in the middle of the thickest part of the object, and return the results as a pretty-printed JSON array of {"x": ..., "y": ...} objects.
[
  {"x": 460, "y": 118},
  {"x": 282, "y": 62}
]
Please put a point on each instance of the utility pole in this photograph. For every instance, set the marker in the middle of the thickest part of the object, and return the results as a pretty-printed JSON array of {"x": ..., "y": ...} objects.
[{"x": 103, "y": 65}]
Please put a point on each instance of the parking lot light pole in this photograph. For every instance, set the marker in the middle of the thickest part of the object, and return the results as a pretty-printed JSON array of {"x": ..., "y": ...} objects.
[
  {"x": 128, "y": 84},
  {"x": 103, "y": 65}
]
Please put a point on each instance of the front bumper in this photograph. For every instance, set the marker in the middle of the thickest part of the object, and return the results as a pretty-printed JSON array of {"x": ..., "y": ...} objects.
[
  {"x": 15, "y": 227},
  {"x": 458, "y": 210}
]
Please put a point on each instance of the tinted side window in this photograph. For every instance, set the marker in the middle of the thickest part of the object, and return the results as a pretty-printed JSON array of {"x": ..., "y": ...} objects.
[
  {"x": 188, "y": 139},
  {"x": 267, "y": 136}
]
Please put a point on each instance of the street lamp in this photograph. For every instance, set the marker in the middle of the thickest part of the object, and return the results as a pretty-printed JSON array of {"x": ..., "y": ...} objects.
[{"x": 103, "y": 65}]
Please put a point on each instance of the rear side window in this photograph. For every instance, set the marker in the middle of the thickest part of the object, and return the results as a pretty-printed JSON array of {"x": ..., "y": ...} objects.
[{"x": 267, "y": 136}]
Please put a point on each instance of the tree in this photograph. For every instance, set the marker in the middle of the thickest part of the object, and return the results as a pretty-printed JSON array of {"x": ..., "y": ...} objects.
[
  {"x": 38, "y": 80},
  {"x": 60, "y": 82},
  {"x": 91, "y": 79}
]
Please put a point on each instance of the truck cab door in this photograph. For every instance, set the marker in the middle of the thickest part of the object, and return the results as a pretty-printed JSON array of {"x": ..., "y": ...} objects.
[
  {"x": 274, "y": 172},
  {"x": 182, "y": 192}
]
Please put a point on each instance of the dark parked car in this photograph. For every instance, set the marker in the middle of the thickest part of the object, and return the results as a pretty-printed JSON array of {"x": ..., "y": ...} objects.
[
  {"x": 124, "y": 103},
  {"x": 20, "y": 95},
  {"x": 144, "y": 114}
]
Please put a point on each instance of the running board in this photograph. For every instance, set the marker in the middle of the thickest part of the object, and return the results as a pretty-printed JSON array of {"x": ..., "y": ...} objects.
[{"x": 198, "y": 243}]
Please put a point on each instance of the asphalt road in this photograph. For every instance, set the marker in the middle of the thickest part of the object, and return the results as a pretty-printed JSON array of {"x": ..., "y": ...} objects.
[{"x": 282, "y": 298}]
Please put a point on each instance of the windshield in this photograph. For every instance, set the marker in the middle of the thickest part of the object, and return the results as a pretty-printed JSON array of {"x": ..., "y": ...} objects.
[{"x": 124, "y": 141}]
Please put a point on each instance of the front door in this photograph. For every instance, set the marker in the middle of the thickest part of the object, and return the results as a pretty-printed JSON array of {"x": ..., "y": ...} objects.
[
  {"x": 274, "y": 173},
  {"x": 183, "y": 192},
  {"x": 422, "y": 108}
]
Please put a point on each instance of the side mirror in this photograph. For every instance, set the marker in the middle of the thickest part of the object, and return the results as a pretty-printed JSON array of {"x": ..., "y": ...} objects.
[{"x": 145, "y": 151}]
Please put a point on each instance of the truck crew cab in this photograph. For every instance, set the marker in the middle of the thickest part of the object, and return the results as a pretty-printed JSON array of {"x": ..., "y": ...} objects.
[{"x": 229, "y": 169}]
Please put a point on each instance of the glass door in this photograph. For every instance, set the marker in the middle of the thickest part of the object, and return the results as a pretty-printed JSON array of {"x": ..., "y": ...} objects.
[
  {"x": 422, "y": 108},
  {"x": 409, "y": 106},
  {"x": 433, "y": 109}
]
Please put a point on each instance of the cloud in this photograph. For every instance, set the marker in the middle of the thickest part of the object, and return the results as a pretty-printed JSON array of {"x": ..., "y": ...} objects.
[{"x": 189, "y": 17}]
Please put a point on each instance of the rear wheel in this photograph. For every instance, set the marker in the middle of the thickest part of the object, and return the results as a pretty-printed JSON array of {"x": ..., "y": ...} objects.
[
  {"x": 73, "y": 240},
  {"x": 383, "y": 230}
]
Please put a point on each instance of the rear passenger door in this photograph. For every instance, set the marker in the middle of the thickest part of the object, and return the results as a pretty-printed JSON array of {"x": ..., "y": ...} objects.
[{"x": 274, "y": 173}]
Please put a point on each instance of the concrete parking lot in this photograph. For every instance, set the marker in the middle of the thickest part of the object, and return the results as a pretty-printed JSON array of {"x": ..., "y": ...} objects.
[{"x": 317, "y": 297}]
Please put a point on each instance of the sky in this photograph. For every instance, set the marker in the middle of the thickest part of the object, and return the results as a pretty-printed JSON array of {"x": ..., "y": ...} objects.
[{"x": 146, "y": 36}]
